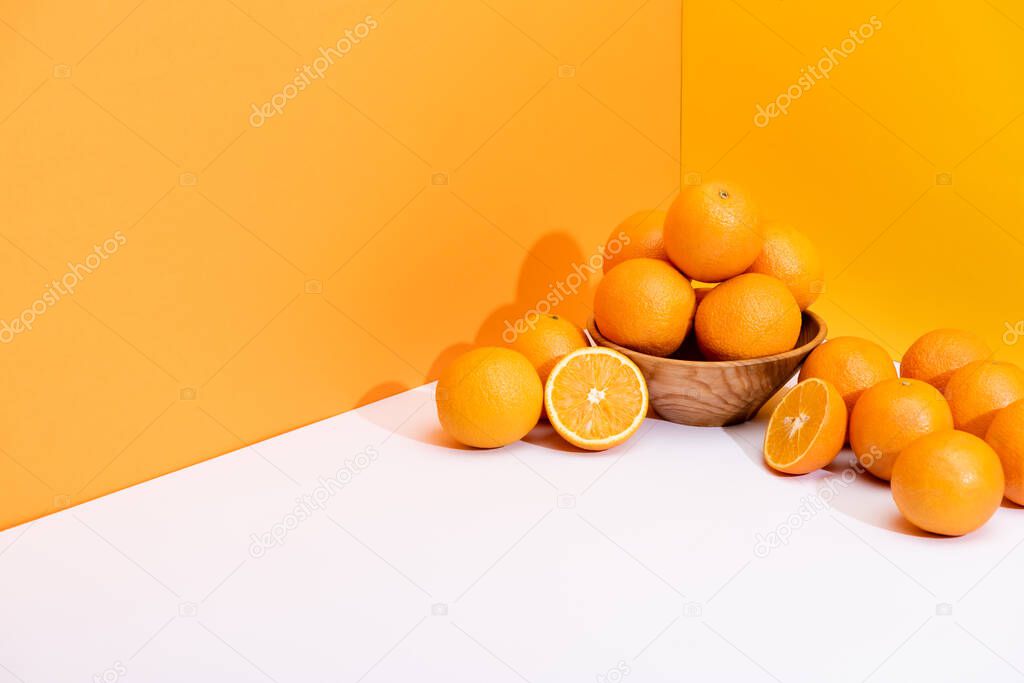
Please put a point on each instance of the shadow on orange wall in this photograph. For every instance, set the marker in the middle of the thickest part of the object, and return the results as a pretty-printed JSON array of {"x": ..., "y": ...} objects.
[{"x": 556, "y": 275}]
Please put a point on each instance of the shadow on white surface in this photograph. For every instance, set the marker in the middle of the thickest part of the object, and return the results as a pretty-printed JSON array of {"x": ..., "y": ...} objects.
[
  {"x": 412, "y": 415},
  {"x": 438, "y": 437},
  {"x": 864, "y": 498},
  {"x": 529, "y": 559},
  {"x": 749, "y": 436},
  {"x": 545, "y": 436}
]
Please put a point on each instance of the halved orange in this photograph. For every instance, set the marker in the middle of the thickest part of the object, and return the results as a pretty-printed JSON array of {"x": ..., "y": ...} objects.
[
  {"x": 807, "y": 429},
  {"x": 596, "y": 398}
]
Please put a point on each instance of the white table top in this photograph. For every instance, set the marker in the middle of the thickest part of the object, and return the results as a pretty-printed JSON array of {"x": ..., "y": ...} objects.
[{"x": 533, "y": 563}]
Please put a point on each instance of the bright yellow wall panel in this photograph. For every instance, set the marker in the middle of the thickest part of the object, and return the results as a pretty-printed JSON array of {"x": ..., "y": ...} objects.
[{"x": 903, "y": 163}]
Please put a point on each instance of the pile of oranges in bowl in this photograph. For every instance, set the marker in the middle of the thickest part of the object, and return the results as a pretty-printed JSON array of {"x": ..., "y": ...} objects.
[
  {"x": 710, "y": 281},
  {"x": 764, "y": 275}
]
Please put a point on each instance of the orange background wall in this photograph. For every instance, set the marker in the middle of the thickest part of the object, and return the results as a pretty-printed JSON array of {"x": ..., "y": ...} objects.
[
  {"x": 271, "y": 276},
  {"x": 446, "y": 172}
]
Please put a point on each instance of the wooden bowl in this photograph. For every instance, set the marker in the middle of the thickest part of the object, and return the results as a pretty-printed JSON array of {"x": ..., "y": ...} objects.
[{"x": 690, "y": 391}]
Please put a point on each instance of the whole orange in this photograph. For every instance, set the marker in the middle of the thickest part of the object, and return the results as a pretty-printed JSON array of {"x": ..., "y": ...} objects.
[
  {"x": 948, "y": 483},
  {"x": 852, "y": 364},
  {"x": 790, "y": 256},
  {"x": 639, "y": 236},
  {"x": 547, "y": 341},
  {"x": 489, "y": 397},
  {"x": 748, "y": 316},
  {"x": 1006, "y": 437},
  {"x": 712, "y": 232},
  {"x": 938, "y": 354},
  {"x": 978, "y": 390},
  {"x": 889, "y": 416},
  {"x": 644, "y": 304}
]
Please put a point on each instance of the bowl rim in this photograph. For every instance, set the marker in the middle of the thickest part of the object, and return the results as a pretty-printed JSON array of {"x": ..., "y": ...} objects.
[{"x": 801, "y": 350}]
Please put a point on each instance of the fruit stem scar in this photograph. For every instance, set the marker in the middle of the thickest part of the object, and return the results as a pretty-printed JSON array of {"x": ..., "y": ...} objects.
[{"x": 595, "y": 395}]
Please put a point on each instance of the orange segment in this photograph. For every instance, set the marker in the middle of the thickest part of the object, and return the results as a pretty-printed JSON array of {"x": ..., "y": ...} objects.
[
  {"x": 596, "y": 398},
  {"x": 807, "y": 429}
]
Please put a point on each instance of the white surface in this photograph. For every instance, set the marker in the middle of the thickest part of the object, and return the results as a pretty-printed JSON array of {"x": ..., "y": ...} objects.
[{"x": 552, "y": 565}]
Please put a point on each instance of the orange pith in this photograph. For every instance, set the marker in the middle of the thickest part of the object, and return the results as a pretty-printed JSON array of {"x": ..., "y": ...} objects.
[
  {"x": 596, "y": 398},
  {"x": 807, "y": 429}
]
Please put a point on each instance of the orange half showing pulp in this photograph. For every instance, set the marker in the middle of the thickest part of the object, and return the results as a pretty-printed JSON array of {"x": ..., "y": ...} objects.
[{"x": 596, "y": 398}]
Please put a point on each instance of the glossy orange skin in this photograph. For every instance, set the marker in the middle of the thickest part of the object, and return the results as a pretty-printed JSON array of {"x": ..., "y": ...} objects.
[
  {"x": 948, "y": 483},
  {"x": 1006, "y": 437},
  {"x": 639, "y": 236},
  {"x": 550, "y": 339},
  {"x": 489, "y": 397},
  {"x": 935, "y": 356},
  {"x": 789, "y": 255},
  {"x": 852, "y": 364},
  {"x": 712, "y": 231},
  {"x": 645, "y": 305},
  {"x": 748, "y": 316},
  {"x": 890, "y": 416},
  {"x": 977, "y": 391}
]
